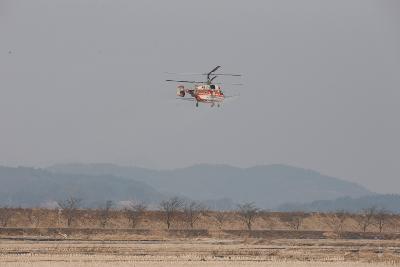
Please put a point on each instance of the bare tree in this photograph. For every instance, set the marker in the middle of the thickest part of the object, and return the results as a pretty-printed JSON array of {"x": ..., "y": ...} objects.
[
  {"x": 293, "y": 219},
  {"x": 135, "y": 212},
  {"x": 381, "y": 217},
  {"x": 365, "y": 218},
  {"x": 170, "y": 208},
  {"x": 104, "y": 213},
  {"x": 69, "y": 209},
  {"x": 248, "y": 212},
  {"x": 337, "y": 219},
  {"x": 5, "y": 216},
  {"x": 220, "y": 217},
  {"x": 34, "y": 216},
  {"x": 192, "y": 212},
  {"x": 267, "y": 216}
]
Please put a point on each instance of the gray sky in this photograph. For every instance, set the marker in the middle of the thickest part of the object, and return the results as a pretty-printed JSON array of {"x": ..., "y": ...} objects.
[{"x": 83, "y": 81}]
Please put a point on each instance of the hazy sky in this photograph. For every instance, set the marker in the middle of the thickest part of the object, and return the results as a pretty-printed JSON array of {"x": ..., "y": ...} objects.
[{"x": 83, "y": 81}]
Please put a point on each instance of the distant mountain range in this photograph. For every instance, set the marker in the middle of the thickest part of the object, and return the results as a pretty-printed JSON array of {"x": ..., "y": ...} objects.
[
  {"x": 219, "y": 186},
  {"x": 268, "y": 186},
  {"x": 37, "y": 187}
]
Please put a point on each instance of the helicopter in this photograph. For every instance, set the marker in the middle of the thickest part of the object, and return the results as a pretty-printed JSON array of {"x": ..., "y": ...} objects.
[{"x": 203, "y": 92}]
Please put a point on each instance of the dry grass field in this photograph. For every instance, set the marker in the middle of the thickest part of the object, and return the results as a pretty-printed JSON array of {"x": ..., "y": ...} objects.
[
  {"x": 106, "y": 251},
  {"x": 41, "y": 238}
]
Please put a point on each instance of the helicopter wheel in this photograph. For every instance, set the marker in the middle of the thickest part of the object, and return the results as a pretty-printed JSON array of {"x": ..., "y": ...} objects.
[
  {"x": 218, "y": 105},
  {"x": 197, "y": 104}
]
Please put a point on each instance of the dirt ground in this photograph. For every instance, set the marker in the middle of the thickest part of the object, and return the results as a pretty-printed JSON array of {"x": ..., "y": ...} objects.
[
  {"x": 83, "y": 262},
  {"x": 199, "y": 252}
]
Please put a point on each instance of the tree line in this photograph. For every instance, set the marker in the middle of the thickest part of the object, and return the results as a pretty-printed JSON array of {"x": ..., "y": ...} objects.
[{"x": 189, "y": 212}]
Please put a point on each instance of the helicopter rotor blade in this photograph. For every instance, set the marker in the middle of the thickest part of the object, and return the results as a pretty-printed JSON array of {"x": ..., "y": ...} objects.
[
  {"x": 203, "y": 74},
  {"x": 184, "y": 73},
  {"x": 228, "y": 74},
  {"x": 182, "y": 81},
  {"x": 214, "y": 69}
]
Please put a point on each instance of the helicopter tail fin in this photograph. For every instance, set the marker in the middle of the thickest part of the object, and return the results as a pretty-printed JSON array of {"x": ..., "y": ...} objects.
[{"x": 180, "y": 91}]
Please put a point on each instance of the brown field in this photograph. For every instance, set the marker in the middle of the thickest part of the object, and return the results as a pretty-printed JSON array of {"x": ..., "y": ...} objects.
[
  {"x": 198, "y": 252},
  {"x": 44, "y": 240}
]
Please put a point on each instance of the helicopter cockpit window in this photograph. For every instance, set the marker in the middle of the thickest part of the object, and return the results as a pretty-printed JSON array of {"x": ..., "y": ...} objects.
[{"x": 212, "y": 86}]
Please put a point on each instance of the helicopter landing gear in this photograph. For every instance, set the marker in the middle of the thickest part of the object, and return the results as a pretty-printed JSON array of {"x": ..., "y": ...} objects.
[
  {"x": 212, "y": 104},
  {"x": 197, "y": 104},
  {"x": 218, "y": 105}
]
